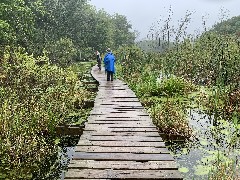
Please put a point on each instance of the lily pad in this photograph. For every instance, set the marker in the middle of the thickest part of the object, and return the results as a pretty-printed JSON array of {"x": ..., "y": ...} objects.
[
  {"x": 183, "y": 169},
  {"x": 202, "y": 170},
  {"x": 204, "y": 142}
]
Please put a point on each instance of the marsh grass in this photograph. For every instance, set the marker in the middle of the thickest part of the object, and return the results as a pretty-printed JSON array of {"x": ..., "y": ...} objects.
[{"x": 226, "y": 171}]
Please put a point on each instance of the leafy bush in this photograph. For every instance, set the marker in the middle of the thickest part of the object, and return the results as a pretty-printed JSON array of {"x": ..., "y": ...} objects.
[
  {"x": 175, "y": 86},
  {"x": 62, "y": 52},
  {"x": 170, "y": 87},
  {"x": 170, "y": 119},
  {"x": 147, "y": 89},
  {"x": 146, "y": 85},
  {"x": 35, "y": 99}
]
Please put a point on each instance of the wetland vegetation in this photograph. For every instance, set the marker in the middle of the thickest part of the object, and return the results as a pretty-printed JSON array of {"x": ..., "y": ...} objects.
[
  {"x": 190, "y": 86},
  {"x": 193, "y": 83}
]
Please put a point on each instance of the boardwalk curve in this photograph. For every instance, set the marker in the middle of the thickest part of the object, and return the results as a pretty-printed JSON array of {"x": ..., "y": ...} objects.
[{"x": 119, "y": 140}]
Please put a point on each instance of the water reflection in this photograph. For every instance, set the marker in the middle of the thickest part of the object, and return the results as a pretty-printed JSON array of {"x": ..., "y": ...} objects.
[
  {"x": 67, "y": 145},
  {"x": 189, "y": 153},
  {"x": 200, "y": 121},
  {"x": 66, "y": 154}
]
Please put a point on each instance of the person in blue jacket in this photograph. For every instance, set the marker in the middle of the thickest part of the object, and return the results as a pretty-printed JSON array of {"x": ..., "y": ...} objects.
[{"x": 109, "y": 61}]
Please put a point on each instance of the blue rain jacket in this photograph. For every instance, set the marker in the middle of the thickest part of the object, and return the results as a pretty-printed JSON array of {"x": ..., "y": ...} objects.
[{"x": 109, "y": 61}]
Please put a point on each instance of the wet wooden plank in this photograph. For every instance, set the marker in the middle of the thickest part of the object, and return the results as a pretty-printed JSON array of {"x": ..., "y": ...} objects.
[
  {"x": 116, "y": 102},
  {"x": 108, "y": 133},
  {"x": 122, "y": 156},
  {"x": 123, "y": 165},
  {"x": 118, "y": 105},
  {"x": 120, "y": 143},
  {"x": 129, "y": 115},
  {"x": 129, "y": 107},
  {"x": 121, "y": 101},
  {"x": 121, "y": 130},
  {"x": 122, "y": 138},
  {"x": 119, "y": 115},
  {"x": 122, "y": 174},
  {"x": 69, "y": 130},
  {"x": 90, "y": 179},
  {"x": 114, "y": 111},
  {"x": 119, "y": 121},
  {"x": 128, "y": 119},
  {"x": 138, "y": 114},
  {"x": 133, "y": 129},
  {"x": 100, "y": 149},
  {"x": 112, "y": 91},
  {"x": 115, "y": 115},
  {"x": 132, "y": 101},
  {"x": 94, "y": 122},
  {"x": 136, "y": 125}
]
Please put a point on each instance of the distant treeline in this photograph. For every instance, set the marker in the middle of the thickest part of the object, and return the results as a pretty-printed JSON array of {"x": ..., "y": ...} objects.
[
  {"x": 230, "y": 27},
  {"x": 72, "y": 29}
]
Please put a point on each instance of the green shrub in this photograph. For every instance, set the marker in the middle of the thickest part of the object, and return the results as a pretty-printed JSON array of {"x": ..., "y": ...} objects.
[
  {"x": 146, "y": 89},
  {"x": 62, "y": 52},
  {"x": 35, "y": 99},
  {"x": 175, "y": 86},
  {"x": 170, "y": 118}
]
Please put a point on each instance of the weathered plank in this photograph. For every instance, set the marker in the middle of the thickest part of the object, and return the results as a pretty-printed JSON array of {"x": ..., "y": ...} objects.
[
  {"x": 88, "y": 178},
  {"x": 125, "y": 125},
  {"x": 109, "y": 133},
  {"x": 92, "y": 122},
  {"x": 69, "y": 130},
  {"x": 112, "y": 114},
  {"x": 100, "y": 149},
  {"x": 114, "y": 111},
  {"x": 120, "y": 143},
  {"x": 126, "y": 102},
  {"x": 122, "y": 138},
  {"x": 122, "y": 156},
  {"x": 122, "y": 165},
  {"x": 130, "y": 129},
  {"x": 106, "y": 118},
  {"x": 123, "y": 174}
]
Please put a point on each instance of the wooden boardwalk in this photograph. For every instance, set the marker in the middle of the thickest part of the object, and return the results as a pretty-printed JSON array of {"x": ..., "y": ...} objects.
[{"x": 119, "y": 140}]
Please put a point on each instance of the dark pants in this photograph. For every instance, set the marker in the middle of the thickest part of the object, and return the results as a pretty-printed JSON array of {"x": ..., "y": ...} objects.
[
  {"x": 99, "y": 63},
  {"x": 109, "y": 76}
]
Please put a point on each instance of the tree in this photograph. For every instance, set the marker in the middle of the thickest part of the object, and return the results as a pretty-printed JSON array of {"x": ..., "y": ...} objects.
[
  {"x": 230, "y": 26},
  {"x": 121, "y": 31},
  {"x": 101, "y": 33},
  {"x": 17, "y": 23}
]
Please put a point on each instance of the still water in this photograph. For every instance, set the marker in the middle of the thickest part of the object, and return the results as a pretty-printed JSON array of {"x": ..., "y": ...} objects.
[
  {"x": 66, "y": 154},
  {"x": 188, "y": 154}
]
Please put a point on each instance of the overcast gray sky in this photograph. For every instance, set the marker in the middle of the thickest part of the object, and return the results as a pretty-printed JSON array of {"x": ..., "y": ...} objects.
[{"x": 143, "y": 13}]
